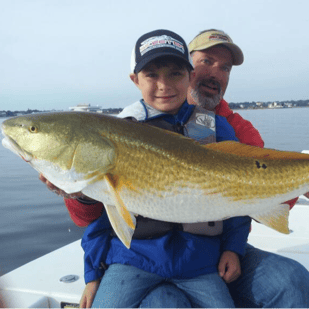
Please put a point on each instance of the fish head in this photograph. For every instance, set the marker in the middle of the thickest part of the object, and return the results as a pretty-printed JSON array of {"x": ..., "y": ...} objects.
[
  {"x": 29, "y": 137},
  {"x": 65, "y": 147}
]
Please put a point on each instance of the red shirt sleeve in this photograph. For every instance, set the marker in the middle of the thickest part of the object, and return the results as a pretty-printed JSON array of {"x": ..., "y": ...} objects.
[
  {"x": 244, "y": 130},
  {"x": 292, "y": 202},
  {"x": 82, "y": 214}
]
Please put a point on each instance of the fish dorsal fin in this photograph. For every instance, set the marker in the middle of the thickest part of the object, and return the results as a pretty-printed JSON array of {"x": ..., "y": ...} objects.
[
  {"x": 243, "y": 150},
  {"x": 121, "y": 228},
  {"x": 121, "y": 208},
  {"x": 276, "y": 219}
]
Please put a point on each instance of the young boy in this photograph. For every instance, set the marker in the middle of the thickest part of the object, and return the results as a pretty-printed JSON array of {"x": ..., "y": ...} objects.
[{"x": 186, "y": 255}]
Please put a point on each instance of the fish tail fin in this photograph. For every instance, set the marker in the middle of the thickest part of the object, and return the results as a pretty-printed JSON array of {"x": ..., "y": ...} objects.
[
  {"x": 122, "y": 230},
  {"x": 278, "y": 219}
]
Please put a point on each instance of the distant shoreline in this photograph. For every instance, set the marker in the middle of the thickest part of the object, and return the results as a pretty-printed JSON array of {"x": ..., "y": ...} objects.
[
  {"x": 115, "y": 111},
  {"x": 260, "y": 108}
]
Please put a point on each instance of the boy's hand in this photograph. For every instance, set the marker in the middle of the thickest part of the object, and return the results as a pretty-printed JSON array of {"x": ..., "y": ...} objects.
[
  {"x": 60, "y": 192},
  {"x": 89, "y": 294},
  {"x": 229, "y": 266}
]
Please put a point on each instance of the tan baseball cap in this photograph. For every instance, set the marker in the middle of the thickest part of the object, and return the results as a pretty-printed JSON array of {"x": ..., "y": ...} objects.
[{"x": 211, "y": 38}]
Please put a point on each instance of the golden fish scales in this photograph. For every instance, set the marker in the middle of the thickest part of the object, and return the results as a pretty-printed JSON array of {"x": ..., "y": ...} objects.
[{"x": 243, "y": 181}]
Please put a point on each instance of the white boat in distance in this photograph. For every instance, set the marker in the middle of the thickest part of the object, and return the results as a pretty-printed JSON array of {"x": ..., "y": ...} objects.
[{"x": 56, "y": 280}]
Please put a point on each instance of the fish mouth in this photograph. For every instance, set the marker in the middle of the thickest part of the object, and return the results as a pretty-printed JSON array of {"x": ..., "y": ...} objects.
[{"x": 12, "y": 145}]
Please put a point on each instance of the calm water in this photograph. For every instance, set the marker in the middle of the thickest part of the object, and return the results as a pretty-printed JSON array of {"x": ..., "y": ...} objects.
[
  {"x": 284, "y": 129},
  {"x": 34, "y": 221}
]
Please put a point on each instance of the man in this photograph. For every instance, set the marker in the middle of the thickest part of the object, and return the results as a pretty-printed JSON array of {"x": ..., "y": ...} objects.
[
  {"x": 267, "y": 280},
  {"x": 213, "y": 54}
]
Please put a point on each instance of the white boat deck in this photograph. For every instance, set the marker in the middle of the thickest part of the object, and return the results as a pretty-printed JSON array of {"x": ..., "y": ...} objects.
[
  {"x": 295, "y": 245},
  {"x": 37, "y": 284}
]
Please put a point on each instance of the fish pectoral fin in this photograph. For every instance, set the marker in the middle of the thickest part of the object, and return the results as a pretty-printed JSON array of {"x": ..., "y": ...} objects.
[
  {"x": 277, "y": 219},
  {"x": 96, "y": 155},
  {"x": 121, "y": 228},
  {"x": 120, "y": 206}
]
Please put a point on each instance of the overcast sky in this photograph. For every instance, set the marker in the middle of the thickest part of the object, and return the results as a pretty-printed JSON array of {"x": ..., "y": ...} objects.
[{"x": 59, "y": 53}]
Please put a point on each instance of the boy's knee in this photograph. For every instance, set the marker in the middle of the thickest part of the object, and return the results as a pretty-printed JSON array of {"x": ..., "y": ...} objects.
[{"x": 165, "y": 296}]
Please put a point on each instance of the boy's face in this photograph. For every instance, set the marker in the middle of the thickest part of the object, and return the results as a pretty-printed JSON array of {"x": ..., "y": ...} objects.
[{"x": 164, "y": 88}]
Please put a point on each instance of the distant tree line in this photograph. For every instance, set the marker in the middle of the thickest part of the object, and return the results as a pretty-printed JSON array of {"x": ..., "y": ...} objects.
[
  {"x": 112, "y": 110},
  {"x": 33, "y": 111},
  {"x": 14, "y": 113},
  {"x": 259, "y": 104}
]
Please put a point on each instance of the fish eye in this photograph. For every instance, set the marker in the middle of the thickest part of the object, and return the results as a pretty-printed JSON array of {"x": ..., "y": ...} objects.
[{"x": 33, "y": 129}]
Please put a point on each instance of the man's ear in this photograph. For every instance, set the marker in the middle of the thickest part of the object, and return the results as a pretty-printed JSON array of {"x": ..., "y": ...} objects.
[{"x": 134, "y": 79}]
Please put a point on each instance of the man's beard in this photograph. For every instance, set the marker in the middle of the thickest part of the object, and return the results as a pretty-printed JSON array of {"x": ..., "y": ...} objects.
[{"x": 204, "y": 100}]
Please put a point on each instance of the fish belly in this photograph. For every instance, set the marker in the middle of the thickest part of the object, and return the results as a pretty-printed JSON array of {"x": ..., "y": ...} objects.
[{"x": 196, "y": 206}]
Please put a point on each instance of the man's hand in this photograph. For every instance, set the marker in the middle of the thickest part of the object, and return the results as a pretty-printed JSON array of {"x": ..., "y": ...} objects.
[
  {"x": 89, "y": 294},
  {"x": 229, "y": 266},
  {"x": 60, "y": 192}
]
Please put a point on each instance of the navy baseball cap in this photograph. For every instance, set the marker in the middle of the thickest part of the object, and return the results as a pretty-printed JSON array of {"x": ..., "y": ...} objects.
[{"x": 158, "y": 43}]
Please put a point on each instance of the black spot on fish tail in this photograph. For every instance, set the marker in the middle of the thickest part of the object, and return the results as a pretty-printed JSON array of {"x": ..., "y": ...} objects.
[{"x": 258, "y": 165}]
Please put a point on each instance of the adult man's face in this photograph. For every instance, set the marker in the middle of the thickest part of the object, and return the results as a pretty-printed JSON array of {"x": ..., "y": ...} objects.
[{"x": 212, "y": 68}]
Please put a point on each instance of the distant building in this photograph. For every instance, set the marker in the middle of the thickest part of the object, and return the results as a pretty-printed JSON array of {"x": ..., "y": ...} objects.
[
  {"x": 275, "y": 105},
  {"x": 86, "y": 108}
]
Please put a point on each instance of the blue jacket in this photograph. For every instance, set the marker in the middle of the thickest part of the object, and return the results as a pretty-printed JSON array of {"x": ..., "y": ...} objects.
[{"x": 177, "y": 254}]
